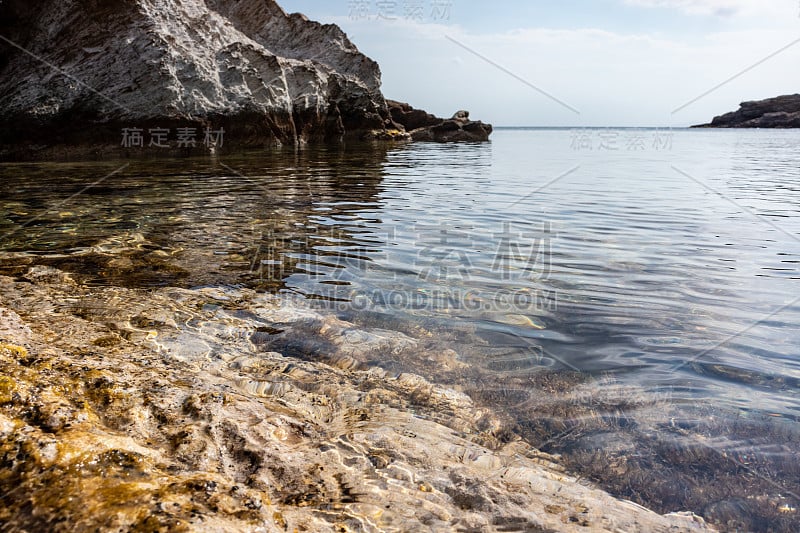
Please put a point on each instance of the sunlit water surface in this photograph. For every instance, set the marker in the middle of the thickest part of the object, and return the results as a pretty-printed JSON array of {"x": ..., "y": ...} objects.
[{"x": 668, "y": 261}]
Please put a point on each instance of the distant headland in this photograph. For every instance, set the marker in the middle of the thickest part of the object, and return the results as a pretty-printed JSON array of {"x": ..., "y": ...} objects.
[{"x": 778, "y": 112}]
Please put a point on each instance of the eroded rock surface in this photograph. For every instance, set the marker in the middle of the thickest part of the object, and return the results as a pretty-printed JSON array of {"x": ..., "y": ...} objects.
[
  {"x": 779, "y": 112},
  {"x": 170, "y": 410}
]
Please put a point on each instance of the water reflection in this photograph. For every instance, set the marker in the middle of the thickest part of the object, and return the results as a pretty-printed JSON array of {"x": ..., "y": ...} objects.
[
  {"x": 620, "y": 265},
  {"x": 247, "y": 220}
]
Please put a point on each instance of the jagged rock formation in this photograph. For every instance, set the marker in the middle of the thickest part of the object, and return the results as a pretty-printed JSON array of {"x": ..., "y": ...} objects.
[
  {"x": 76, "y": 72},
  {"x": 426, "y": 127},
  {"x": 779, "y": 112}
]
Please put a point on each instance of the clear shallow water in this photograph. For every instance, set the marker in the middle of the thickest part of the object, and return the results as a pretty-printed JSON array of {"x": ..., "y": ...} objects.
[{"x": 671, "y": 264}]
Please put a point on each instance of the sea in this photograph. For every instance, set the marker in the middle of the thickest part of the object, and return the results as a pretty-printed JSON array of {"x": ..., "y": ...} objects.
[{"x": 660, "y": 265}]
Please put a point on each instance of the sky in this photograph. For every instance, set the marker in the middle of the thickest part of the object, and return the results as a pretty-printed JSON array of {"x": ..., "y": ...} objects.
[{"x": 572, "y": 63}]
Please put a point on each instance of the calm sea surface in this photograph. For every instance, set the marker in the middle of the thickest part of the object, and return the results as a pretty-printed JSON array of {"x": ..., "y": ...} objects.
[{"x": 666, "y": 260}]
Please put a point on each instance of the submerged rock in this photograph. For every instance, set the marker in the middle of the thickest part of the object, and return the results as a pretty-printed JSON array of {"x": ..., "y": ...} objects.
[
  {"x": 426, "y": 127},
  {"x": 779, "y": 112},
  {"x": 107, "y": 424}
]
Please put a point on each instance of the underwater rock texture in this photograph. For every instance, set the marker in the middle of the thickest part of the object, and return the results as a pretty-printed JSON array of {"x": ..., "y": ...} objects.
[
  {"x": 778, "y": 112},
  {"x": 76, "y": 72},
  {"x": 169, "y": 410}
]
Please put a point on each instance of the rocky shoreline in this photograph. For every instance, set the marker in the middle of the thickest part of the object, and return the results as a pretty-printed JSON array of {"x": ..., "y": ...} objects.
[
  {"x": 422, "y": 126},
  {"x": 778, "y": 112},
  {"x": 192, "y": 77},
  {"x": 171, "y": 410}
]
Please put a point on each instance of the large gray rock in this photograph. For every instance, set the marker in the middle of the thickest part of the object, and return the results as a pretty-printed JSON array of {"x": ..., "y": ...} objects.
[
  {"x": 779, "y": 112},
  {"x": 75, "y": 72}
]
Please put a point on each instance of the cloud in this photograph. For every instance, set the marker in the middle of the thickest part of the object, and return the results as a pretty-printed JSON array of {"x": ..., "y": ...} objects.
[
  {"x": 724, "y": 8},
  {"x": 613, "y": 77}
]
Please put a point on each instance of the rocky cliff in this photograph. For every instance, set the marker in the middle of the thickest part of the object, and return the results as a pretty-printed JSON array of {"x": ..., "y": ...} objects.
[
  {"x": 79, "y": 72},
  {"x": 779, "y": 112}
]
